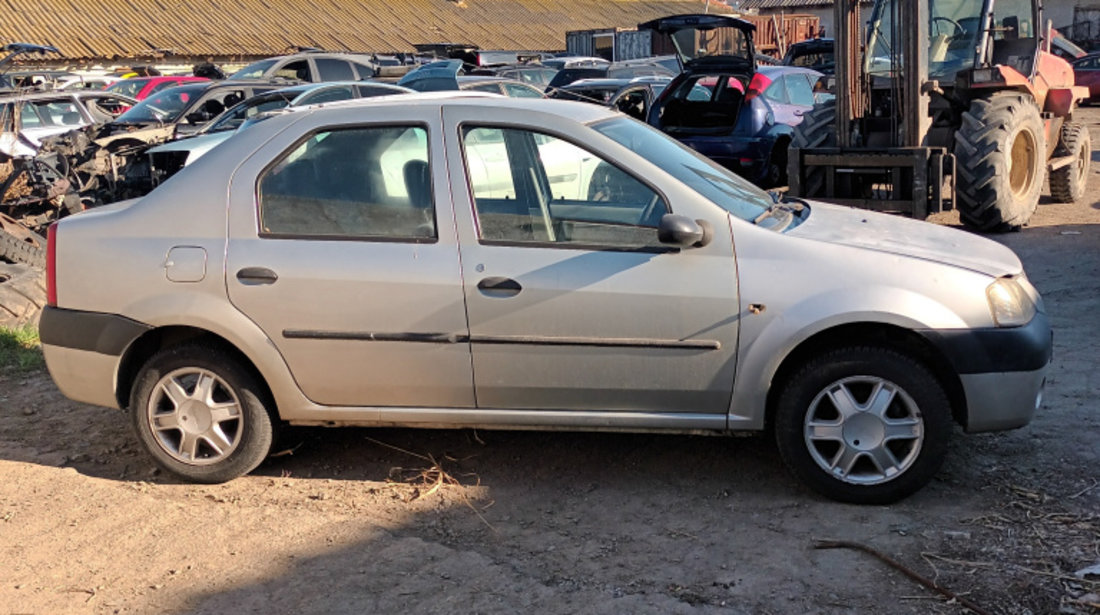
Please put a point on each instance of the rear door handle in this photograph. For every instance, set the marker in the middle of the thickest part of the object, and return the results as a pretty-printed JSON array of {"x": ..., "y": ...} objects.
[
  {"x": 252, "y": 276},
  {"x": 499, "y": 287}
]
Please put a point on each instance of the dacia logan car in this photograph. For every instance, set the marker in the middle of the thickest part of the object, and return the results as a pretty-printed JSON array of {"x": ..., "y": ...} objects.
[{"x": 476, "y": 261}]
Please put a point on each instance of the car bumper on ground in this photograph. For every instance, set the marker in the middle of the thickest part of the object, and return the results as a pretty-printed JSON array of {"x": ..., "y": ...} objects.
[
  {"x": 1002, "y": 370},
  {"x": 82, "y": 351}
]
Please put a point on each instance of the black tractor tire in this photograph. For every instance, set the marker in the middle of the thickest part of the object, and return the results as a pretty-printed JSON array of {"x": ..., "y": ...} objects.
[
  {"x": 863, "y": 424},
  {"x": 818, "y": 129},
  {"x": 1067, "y": 184},
  {"x": 22, "y": 295},
  {"x": 775, "y": 171},
  {"x": 201, "y": 414},
  {"x": 18, "y": 244},
  {"x": 1001, "y": 162}
]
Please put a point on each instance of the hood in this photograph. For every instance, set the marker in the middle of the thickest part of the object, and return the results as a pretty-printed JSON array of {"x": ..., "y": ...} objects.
[
  {"x": 891, "y": 234},
  {"x": 708, "y": 42},
  {"x": 196, "y": 146}
]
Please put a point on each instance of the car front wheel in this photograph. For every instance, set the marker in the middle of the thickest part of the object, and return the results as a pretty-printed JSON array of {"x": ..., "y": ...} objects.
[
  {"x": 863, "y": 425},
  {"x": 199, "y": 414}
]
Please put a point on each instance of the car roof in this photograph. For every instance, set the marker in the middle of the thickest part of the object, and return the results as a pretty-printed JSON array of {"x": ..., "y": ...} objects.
[
  {"x": 576, "y": 111},
  {"x": 782, "y": 69}
]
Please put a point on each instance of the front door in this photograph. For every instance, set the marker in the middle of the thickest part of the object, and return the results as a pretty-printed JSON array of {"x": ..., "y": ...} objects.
[
  {"x": 349, "y": 264},
  {"x": 573, "y": 303}
]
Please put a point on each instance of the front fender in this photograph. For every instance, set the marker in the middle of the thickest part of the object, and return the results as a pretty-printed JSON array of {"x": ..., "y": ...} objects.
[{"x": 767, "y": 341}]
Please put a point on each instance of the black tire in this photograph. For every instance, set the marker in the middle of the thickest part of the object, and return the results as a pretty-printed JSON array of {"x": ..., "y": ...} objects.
[
  {"x": 19, "y": 244},
  {"x": 1067, "y": 184},
  {"x": 818, "y": 129},
  {"x": 917, "y": 410},
  {"x": 245, "y": 428},
  {"x": 22, "y": 295},
  {"x": 1001, "y": 162},
  {"x": 775, "y": 173}
]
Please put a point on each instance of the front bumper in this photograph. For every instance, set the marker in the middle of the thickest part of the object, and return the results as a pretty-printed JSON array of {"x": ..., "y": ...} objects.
[
  {"x": 83, "y": 349},
  {"x": 1002, "y": 370}
]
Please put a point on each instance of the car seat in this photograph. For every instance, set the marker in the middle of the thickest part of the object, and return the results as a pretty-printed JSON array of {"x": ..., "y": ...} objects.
[{"x": 418, "y": 183}]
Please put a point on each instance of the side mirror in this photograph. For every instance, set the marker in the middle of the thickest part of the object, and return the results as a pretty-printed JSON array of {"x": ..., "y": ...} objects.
[{"x": 684, "y": 232}]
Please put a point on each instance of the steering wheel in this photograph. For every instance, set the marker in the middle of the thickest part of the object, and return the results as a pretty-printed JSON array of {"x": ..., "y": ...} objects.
[{"x": 959, "y": 30}]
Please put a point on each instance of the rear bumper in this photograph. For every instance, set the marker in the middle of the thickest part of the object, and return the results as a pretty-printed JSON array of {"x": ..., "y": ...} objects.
[
  {"x": 83, "y": 349},
  {"x": 1002, "y": 370}
]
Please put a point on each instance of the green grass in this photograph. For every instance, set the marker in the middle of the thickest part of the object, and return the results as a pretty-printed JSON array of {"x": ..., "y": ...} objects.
[{"x": 20, "y": 349}]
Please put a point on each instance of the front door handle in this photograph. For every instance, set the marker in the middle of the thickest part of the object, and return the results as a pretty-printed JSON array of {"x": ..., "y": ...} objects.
[
  {"x": 252, "y": 276},
  {"x": 499, "y": 287}
]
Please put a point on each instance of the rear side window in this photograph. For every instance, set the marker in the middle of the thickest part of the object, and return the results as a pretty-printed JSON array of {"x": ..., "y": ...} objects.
[
  {"x": 332, "y": 69},
  {"x": 356, "y": 183},
  {"x": 800, "y": 90}
]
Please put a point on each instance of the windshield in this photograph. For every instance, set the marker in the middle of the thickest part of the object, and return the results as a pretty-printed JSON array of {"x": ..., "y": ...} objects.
[
  {"x": 255, "y": 70},
  {"x": 165, "y": 106},
  {"x": 953, "y": 30},
  {"x": 233, "y": 118},
  {"x": 128, "y": 87},
  {"x": 717, "y": 184}
]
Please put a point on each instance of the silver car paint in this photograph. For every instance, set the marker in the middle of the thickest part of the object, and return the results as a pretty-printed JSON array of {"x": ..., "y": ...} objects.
[
  {"x": 793, "y": 277},
  {"x": 336, "y": 286},
  {"x": 690, "y": 295}
]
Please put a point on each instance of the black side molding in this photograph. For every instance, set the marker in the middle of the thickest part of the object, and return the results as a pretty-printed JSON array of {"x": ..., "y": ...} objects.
[{"x": 107, "y": 334}]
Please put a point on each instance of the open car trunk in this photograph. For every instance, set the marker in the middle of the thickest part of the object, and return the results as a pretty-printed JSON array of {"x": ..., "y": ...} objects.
[{"x": 718, "y": 61}]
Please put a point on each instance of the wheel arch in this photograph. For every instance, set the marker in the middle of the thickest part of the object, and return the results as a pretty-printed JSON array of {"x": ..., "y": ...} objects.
[
  {"x": 139, "y": 352},
  {"x": 878, "y": 334}
]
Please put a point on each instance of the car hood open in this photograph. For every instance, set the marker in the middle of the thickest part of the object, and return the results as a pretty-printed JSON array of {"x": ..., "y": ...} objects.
[{"x": 906, "y": 237}]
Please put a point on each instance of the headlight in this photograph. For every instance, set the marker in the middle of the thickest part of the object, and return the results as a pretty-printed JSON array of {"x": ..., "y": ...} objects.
[{"x": 1009, "y": 302}]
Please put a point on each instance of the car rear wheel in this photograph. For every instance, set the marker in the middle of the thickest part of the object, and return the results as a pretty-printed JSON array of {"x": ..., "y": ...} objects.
[
  {"x": 864, "y": 425},
  {"x": 200, "y": 415}
]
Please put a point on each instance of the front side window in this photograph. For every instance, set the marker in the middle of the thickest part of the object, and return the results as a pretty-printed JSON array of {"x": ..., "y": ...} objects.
[
  {"x": 535, "y": 188},
  {"x": 297, "y": 70},
  {"x": 353, "y": 183},
  {"x": 62, "y": 113}
]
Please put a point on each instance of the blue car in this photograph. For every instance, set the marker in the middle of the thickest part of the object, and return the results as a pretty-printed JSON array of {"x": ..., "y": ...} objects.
[{"x": 724, "y": 105}]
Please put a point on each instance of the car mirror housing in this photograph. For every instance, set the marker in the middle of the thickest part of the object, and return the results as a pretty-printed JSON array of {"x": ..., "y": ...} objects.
[{"x": 684, "y": 232}]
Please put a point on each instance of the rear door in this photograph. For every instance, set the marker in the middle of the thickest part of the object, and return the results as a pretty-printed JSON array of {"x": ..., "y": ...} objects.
[{"x": 342, "y": 250}]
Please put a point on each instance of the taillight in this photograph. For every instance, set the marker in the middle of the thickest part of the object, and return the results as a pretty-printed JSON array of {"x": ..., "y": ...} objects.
[
  {"x": 51, "y": 265},
  {"x": 757, "y": 86}
]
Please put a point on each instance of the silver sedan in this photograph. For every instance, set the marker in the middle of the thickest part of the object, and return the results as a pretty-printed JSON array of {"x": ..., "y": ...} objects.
[{"x": 472, "y": 261}]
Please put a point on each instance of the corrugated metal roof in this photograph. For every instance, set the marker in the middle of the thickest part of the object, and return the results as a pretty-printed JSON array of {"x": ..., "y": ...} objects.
[{"x": 110, "y": 29}]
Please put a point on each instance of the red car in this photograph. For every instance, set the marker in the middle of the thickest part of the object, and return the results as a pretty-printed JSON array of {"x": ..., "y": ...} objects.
[
  {"x": 142, "y": 87},
  {"x": 1086, "y": 72}
]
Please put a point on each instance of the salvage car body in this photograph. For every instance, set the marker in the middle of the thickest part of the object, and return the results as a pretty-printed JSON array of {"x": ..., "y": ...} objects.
[
  {"x": 167, "y": 159},
  {"x": 745, "y": 123},
  {"x": 568, "y": 309},
  {"x": 26, "y": 119}
]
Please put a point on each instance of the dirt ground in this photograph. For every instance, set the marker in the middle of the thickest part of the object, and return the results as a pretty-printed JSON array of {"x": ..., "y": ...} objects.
[{"x": 362, "y": 521}]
